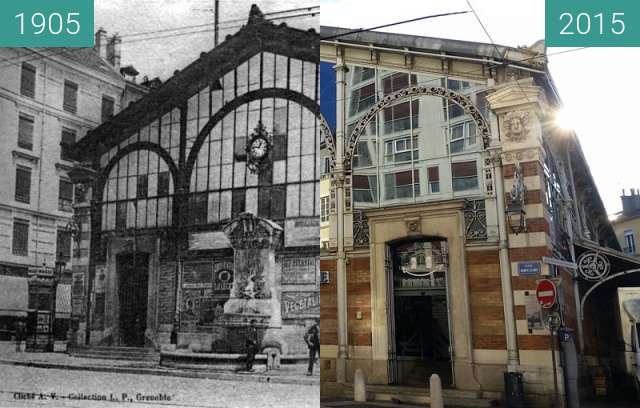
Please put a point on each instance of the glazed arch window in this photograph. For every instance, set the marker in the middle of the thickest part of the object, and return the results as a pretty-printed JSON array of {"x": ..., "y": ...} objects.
[{"x": 361, "y": 74}]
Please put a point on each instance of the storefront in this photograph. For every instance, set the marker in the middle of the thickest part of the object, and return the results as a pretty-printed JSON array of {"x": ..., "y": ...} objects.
[{"x": 225, "y": 146}]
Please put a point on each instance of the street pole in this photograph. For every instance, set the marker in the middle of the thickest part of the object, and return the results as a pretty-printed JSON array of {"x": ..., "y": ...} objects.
[{"x": 552, "y": 344}]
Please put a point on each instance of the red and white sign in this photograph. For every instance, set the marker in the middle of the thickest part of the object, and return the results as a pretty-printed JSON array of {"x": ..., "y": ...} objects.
[{"x": 546, "y": 293}]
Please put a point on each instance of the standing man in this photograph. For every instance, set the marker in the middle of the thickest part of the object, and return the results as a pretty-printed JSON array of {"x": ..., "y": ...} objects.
[
  {"x": 312, "y": 338},
  {"x": 251, "y": 344}
]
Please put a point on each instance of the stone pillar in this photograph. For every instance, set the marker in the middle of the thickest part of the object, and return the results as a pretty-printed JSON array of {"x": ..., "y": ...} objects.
[
  {"x": 359, "y": 386},
  {"x": 340, "y": 176},
  {"x": 435, "y": 392},
  {"x": 254, "y": 292}
]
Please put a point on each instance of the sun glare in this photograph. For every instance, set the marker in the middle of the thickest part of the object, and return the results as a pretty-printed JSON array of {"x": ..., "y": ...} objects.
[{"x": 565, "y": 119}]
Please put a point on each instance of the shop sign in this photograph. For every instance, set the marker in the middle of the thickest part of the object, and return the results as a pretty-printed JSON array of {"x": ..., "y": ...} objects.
[
  {"x": 302, "y": 232},
  {"x": 299, "y": 270},
  {"x": 300, "y": 304}
]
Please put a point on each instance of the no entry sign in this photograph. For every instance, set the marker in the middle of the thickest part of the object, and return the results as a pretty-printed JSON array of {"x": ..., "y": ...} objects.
[{"x": 546, "y": 293}]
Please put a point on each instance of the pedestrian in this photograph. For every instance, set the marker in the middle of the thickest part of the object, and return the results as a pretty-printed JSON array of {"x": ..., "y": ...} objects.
[
  {"x": 312, "y": 338},
  {"x": 19, "y": 328},
  {"x": 251, "y": 344}
]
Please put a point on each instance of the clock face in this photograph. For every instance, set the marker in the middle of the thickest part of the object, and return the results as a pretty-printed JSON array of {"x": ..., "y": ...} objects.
[{"x": 259, "y": 147}]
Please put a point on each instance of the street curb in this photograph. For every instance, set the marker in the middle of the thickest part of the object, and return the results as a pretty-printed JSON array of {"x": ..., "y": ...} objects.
[{"x": 210, "y": 375}]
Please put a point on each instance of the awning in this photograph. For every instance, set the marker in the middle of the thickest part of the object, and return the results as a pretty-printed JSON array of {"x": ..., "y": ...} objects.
[
  {"x": 63, "y": 301},
  {"x": 14, "y": 296},
  {"x": 619, "y": 260}
]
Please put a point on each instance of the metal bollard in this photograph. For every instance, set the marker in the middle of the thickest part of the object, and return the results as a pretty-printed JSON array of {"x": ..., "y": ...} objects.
[
  {"x": 435, "y": 392},
  {"x": 359, "y": 386}
]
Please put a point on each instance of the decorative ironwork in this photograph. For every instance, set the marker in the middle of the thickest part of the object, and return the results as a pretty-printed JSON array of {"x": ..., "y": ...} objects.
[
  {"x": 360, "y": 229},
  {"x": 475, "y": 220},
  {"x": 325, "y": 130},
  {"x": 463, "y": 101},
  {"x": 593, "y": 266}
]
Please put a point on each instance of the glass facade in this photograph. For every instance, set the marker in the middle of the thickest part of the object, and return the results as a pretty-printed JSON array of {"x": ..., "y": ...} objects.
[{"x": 416, "y": 150}]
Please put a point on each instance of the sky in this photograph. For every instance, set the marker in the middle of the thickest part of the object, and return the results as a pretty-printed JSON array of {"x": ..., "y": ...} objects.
[{"x": 595, "y": 84}]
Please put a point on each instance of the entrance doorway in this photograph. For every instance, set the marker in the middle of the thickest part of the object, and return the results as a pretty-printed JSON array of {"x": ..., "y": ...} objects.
[
  {"x": 420, "y": 334},
  {"x": 133, "y": 276}
]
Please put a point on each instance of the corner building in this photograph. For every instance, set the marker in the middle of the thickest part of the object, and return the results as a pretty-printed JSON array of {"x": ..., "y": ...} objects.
[
  {"x": 233, "y": 133},
  {"x": 452, "y": 192}
]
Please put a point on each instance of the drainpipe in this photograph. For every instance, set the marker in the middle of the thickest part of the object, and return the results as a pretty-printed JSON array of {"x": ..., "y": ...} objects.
[
  {"x": 513, "y": 357},
  {"x": 341, "y": 279}
]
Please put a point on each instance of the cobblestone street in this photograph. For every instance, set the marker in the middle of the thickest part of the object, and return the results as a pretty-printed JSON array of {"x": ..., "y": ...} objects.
[{"x": 22, "y": 386}]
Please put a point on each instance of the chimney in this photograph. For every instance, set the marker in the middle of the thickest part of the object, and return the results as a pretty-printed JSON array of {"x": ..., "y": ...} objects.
[
  {"x": 114, "y": 51},
  {"x": 630, "y": 203},
  {"x": 101, "y": 42}
]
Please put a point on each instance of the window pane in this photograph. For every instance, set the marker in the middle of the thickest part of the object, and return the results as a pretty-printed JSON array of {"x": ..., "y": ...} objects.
[
  {"x": 142, "y": 188},
  {"x": 464, "y": 169},
  {"x": 163, "y": 183},
  {"x": 63, "y": 245},
  {"x": 65, "y": 195},
  {"x": 121, "y": 215}
]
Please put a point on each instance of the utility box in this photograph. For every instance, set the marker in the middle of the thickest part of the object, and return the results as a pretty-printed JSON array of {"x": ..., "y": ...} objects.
[{"x": 513, "y": 390}]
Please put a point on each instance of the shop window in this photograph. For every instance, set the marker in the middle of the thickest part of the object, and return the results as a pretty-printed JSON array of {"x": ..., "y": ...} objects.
[
  {"x": 464, "y": 176},
  {"x": 28, "y": 80},
  {"x": 25, "y": 131}
]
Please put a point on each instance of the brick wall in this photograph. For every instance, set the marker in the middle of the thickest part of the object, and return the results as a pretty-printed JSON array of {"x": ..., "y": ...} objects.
[
  {"x": 487, "y": 314},
  {"x": 359, "y": 300},
  {"x": 328, "y": 305}
]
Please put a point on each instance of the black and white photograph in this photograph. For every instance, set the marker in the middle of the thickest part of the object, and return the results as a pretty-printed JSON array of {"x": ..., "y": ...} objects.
[{"x": 159, "y": 210}]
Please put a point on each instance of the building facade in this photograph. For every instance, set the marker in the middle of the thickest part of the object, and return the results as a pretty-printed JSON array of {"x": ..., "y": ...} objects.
[
  {"x": 192, "y": 185},
  {"x": 49, "y": 99},
  {"x": 627, "y": 222},
  {"x": 452, "y": 193}
]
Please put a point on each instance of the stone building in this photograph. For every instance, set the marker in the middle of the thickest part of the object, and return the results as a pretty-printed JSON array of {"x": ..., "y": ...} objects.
[
  {"x": 202, "y": 206},
  {"x": 452, "y": 193},
  {"x": 626, "y": 223},
  {"x": 50, "y": 98}
]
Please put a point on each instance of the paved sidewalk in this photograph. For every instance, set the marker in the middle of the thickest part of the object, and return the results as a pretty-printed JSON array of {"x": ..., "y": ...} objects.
[{"x": 67, "y": 362}]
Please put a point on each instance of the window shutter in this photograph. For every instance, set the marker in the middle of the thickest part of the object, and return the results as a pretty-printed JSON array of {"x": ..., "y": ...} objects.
[
  {"x": 360, "y": 182},
  {"x": 20, "y": 237},
  {"x": 28, "y": 80},
  {"x": 70, "y": 102},
  {"x": 108, "y": 105},
  {"x": 67, "y": 140},
  {"x": 25, "y": 132},
  {"x": 433, "y": 174},
  {"x": 23, "y": 184}
]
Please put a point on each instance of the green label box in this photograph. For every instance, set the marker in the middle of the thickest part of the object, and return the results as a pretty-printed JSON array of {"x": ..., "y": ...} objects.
[
  {"x": 46, "y": 23},
  {"x": 592, "y": 23}
]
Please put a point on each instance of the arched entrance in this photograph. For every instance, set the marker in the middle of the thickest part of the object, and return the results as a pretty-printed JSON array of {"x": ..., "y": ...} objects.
[
  {"x": 419, "y": 327},
  {"x": 133, "y": 289}
]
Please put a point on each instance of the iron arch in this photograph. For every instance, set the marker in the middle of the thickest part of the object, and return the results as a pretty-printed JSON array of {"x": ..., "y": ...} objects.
[
  {"x": 152, "y": 147},
  {"x": 599, "y": 283},
  {"x": 461, "y": 100},
  {"x": 329, "y": 140},
  {"x": 229, "y": 107}
]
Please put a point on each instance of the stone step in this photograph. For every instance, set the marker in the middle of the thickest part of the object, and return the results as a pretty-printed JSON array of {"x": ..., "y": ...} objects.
[{"x": 116, "y": 353}]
